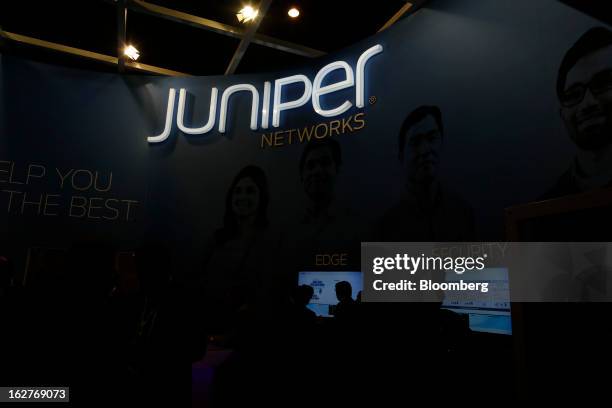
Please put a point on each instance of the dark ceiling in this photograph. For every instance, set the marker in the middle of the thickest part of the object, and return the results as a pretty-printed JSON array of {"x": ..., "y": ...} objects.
[
  {"x": 92, "y": 25},
  {"x": 325, "y": 25}
]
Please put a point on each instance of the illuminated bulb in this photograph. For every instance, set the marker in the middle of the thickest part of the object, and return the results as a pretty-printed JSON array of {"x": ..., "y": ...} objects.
[
  {"x": 293, "y": 12},
  {"x": 131, "y": 52},
  {"x": 247, "y": 14}
]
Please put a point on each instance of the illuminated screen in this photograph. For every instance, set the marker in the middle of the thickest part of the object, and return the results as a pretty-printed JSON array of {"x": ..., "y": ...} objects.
[
  {"x": 324, "y": 285},
  {"x": 488, "y": 312}
]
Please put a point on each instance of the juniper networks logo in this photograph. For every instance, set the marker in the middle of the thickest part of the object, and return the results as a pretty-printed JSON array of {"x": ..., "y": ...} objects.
[{"x": 271, "y": 102}]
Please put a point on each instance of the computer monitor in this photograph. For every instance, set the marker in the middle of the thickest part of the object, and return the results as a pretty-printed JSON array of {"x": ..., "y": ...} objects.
[
  {"x": 488, "y": 312},
  {"x": 324, "y": 285}
]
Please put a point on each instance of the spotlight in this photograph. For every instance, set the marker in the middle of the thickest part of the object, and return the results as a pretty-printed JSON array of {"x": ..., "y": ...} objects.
[
  {"x": 131, "y": 52},
  {"x": 293, "y": 12},
  {"x": 247, "y": 14}
]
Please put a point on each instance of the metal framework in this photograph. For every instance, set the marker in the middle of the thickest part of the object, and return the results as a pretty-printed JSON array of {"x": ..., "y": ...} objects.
[
  {"x": 247, "y": 35},
  {"x": 247, "y": 38},
  {"x": 220, "y": 28},
  {"x": 107, "y": 59},
  {"x": 405, "y": 8}
]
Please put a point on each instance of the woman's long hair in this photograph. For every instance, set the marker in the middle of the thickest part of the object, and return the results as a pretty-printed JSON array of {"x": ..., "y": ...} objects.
[{"x": 230, "y": 223}]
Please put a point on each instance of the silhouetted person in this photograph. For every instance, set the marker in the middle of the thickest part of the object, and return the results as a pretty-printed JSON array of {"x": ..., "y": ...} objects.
[
  {"x": 345, "y": 309},
  {"x": 10, "y": 311},
  {"x": 301, "y": 328},
  {"x": 125, "y": 306},
  {"x": 302, "y": 315},
  {"x": 159, "y": 344},
  {"x": 75, "y": 333}
]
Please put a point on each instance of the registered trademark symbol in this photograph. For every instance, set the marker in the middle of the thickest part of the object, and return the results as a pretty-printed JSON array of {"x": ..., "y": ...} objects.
[{"x": 372, "y": 100}]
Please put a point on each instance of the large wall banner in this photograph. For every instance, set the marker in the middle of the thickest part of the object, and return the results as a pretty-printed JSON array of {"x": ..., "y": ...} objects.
[{"x": 424, "y": 132}]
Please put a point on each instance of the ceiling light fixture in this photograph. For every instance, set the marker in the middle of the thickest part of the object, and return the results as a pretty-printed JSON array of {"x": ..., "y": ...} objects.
[
  {"x": 293, "y": 12},
  {"x": 131, "y": 52},
  {"x": 247, "y": 14}
]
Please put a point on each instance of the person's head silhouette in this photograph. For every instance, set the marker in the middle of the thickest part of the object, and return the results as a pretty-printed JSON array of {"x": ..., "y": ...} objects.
[
  {"x": 303, "y": 294},
  {"x": 344, "y": 291}
]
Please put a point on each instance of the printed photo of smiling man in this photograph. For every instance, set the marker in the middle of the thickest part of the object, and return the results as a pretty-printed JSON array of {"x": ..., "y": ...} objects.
[
  {"x": 584, "y": 90},
  {"x": 428, "y": 210}
]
